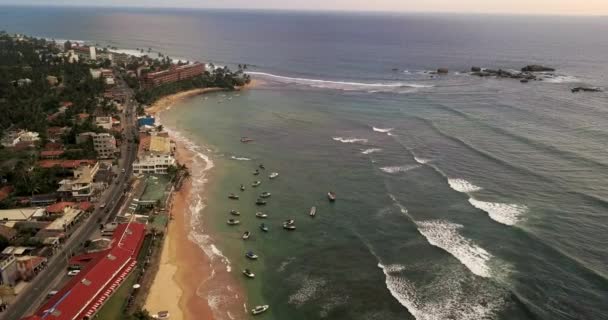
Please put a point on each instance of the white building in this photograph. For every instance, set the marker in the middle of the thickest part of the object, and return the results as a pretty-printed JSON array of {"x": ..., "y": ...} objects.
[
  {"x": 105, "y": 145},
  {"x": 104, "y": 122},
  {"x": 82, "y": 187},
  {"x": 93, "y": 53},
  {"x": 13, "y": 138},
  {"x": 153, "y": 163}
]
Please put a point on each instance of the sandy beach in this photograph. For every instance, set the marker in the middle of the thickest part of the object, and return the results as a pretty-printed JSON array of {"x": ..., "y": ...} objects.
[
  {"x": 171, "y": 100},
  {"x": 187, "y": 274}
]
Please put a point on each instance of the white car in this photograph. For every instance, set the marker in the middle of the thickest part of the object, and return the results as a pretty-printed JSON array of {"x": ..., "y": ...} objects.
[{"x": 72, "y": 273}]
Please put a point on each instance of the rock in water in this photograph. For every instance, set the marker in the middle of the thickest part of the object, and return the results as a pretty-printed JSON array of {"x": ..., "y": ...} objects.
[
  {"x": 586, "y": 89},
  {"x": 442, "y": 71},
  {"x": 536, "y": 68},
  {"x": 475, "y": 69}
]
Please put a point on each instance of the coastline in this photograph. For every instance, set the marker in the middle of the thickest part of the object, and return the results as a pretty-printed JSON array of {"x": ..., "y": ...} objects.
[
  {"x": 193, "y": 279},
  {"x": 165, "y": 102}
]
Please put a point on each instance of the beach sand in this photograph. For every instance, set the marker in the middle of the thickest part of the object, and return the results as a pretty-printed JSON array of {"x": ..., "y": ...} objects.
[
  {"x": 170, "y": 100},
  {"x": 183, "y": 264}
]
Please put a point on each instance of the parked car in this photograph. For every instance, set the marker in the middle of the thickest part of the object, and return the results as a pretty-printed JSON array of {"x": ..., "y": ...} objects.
[{"x": 72, "y": 273}]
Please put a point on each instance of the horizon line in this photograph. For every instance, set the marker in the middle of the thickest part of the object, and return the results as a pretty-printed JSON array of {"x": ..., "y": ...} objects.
[{"x": 305, "y": 10}]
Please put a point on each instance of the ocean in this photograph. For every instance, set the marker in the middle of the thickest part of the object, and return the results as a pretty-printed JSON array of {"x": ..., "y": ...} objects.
[{"x": 458, "y": 197}]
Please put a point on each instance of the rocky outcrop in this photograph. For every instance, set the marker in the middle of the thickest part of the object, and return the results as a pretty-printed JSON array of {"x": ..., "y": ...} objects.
[
  {"x": 442, "y": 71},
  {"x": 475, "y": 69},
  {"x": 586, "y": 89},
  {"x": 536, "y": 68}
]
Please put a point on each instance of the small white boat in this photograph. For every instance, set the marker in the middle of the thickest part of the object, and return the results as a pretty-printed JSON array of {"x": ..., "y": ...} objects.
[
  {"x": 233, "y": 196},
  {"x": 232, "y": 222},
  {"x": 251, "y": 255},
  {"x": 248, "y": 273},
  {"x": 288, "y": 226},
  {"x": 265, "y": 195},
  {"x": 331, "y": 196},
  {"x": 261, "y": 215},
  {"x": 235, "y": 213},
  {"x": 313, "y": 211},
  {"x": 246, "y": 235},
  {"x": 256, "y": 183},
  {"x": 273, "y": 175},
  {"x": 259, "y": 309},
  {"x": 161, "y": 315}
]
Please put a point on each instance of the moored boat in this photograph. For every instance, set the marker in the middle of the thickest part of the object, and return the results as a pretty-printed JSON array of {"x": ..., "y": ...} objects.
[
  {"x": 246, "y": 235},
  {"x": 251, "y": 255},
  {"x": 242, "y": 188},
  {"x": 261, "y": 215},
  {"x": 259, "y": 309},
  {"x": 233, "y": 196},
  {"x": 233, "y": 222},
  {"x": 313, "y": 211},
  {"x": 248, "y": 273},
  {"x": 256, "y": 183},
  {"x": 260, "y": 202},
  {"x": 263, "y": 227},
  {"x": 289, "y": 226},
  {"x": 331, "y": 196},
  {"x": 273, "y": 175},
  {"x": 265, "y": 195},
  {"x": 246, "y": 139},
  {"x": 262, "y": 167},
  {"x": 235, "y": 213},
  {"x": 256, "y": 172}
]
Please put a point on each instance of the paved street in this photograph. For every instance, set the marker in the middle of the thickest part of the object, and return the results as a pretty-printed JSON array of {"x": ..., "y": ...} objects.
[{"x": 34, "y": 294}]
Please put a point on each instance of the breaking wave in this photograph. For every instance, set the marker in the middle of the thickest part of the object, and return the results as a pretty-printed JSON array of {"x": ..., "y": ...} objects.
[
  {"x": 382, "y": 130},
  {"x": 307, "y": 291},
  {"x": 350, "y": 140},
  {"x": 399, "y": 169},
  {"x": 240, "y": 158},
  {"x": 462, "y": 185},
  {"x": 444, "y": 298},
  {"x": 397, "y": 87},
  {"x": 445, "y": 235},
  {"x": 372, "y": 150},
  {"x": 422, "y": 160},
  {"x": 505, "y": 213}
]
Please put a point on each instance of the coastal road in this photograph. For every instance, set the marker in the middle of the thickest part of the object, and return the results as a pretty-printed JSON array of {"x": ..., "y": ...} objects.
[{"x": 38, "y": 288}]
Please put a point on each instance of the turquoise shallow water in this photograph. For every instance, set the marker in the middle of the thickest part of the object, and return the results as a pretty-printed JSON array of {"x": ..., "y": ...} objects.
[{"x": 458, "y": 197}]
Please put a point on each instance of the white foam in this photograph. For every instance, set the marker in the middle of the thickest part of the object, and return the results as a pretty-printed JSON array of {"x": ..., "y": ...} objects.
[
  {"x": 383, "y": 130},
  {"x": 307, "y": 291},
  {"x": 462, "y": 185},
  {"x": 399, "y": 169},
  {"x": 445, "y": 235},
  {"x": 343, "y": 85},
  {"x": 554, "y": 78},
  {"x": 239, "y": 158},
  {"x": 422, "y": 160},
  {"x": 350, "y": 140},
  {"x": 443, "y": 299},
  {"x": 371, "y": 150},
  {"x": 504, "y": 213}
]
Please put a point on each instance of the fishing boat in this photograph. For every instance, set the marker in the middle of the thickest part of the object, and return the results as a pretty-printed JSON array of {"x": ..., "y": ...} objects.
[
  {"x": 289, "y": 226},
  {"x": 161, "y": 315},
  {"x": 259, "y": 309},
  {"x": 263, "y": 227},
  {"x": 331, "y": 196},
  {"x": 246, "y": 139},
  {"x": 265, "y": 195},
  {"x": 273, "y": 175},
  {"x": 260, "y": 202},
  {"x": 256, "y": 183},
  {"x": 261, "y": 215},
  {"x": 232, "y": 222},
  {"x": 248, "y": 273},
  {"x": 256, "y": 172},
  {"x": 233, "y": 196},
  {"x": 262, "y": 166},
  {"x": 251, "y": 255},
  {"x": 246, "y": 235},
  {"x": 290, "y": 221},
  {"x": 242, "y": 188},
  {"x": 235, "y": 213},
  {"x": 313, "y": 211}
]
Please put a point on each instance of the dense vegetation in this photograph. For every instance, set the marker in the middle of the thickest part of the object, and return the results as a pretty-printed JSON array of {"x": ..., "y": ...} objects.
[{"x": 218, "y": 78}]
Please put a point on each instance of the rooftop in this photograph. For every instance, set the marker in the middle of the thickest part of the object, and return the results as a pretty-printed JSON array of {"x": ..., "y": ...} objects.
[{"x": 160, "y": 144}]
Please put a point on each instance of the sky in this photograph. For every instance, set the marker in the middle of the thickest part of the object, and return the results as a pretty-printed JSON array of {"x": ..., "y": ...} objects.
[{"x": 561, "y": 7}]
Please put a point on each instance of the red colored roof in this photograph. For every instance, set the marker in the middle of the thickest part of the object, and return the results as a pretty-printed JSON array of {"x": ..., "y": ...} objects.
[
  {"x": 67, "y": 104},
  {"x": 51, "y": 153},
  {"x": 85, "y": 206},
  {"x": 60, "y": 206},
  {"x": 67, "y": 164},
  {"x": 85, "y": 259},
  {"x": 85, "y": 294},
  {"x": 83, "y": 115},
  {"x": 53, "y": 145},
  {"x": 5, "y": 192}
]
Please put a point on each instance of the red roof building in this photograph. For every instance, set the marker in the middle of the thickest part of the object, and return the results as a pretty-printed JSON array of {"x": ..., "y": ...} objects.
[
  {"x": 66, "y": 164},
  {"x": 175, "y": 73},
  {"x": 57, "y": 208},
  {"x": 51, "y": 154},
  {"x": 84, "y": 295},
  {"x": 5, "y": 192}
]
